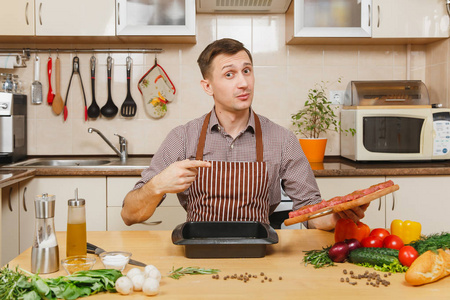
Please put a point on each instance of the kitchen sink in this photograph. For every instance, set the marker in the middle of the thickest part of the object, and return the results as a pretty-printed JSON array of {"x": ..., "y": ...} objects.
[
  {"x": 112, "y": 162},
  {"x": 65, "y": 162}
]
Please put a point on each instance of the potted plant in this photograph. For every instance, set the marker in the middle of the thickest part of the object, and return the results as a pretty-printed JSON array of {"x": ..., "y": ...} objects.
[{"x": 317, "y": 116}]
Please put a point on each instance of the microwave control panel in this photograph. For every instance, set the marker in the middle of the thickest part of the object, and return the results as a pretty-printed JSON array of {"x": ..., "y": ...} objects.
[{"x": 441, "y": 127}]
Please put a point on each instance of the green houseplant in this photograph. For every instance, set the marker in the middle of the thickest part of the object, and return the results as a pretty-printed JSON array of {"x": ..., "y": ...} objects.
[{"x": 316, "y": 117}]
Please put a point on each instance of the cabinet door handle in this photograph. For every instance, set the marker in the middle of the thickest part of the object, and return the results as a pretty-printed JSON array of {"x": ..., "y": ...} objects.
[
  {"x": 40, "y": 10},
  {"x": 369, "y": 14},
  {"x": 9, "y": 200},
  {"x": 118, "y": 13},
  {"x": 23, "y": 199},
  {"x": 26, "y": 13},
  {"x": 393, "y": 201},
  {"x": 379, "y": 204},
  {"x": 378, "y": 25}
]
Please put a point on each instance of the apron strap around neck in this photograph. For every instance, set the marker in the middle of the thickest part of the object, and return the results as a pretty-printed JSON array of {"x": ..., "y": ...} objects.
[{"x": 258, "y": 134}]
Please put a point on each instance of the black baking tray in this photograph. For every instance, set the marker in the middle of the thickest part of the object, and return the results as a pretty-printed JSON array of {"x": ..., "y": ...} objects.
[{"x": 224, "y": 239}]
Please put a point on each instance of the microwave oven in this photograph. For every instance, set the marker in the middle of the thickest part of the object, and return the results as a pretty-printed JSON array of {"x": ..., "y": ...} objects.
[{"x": 396, "y": 134}]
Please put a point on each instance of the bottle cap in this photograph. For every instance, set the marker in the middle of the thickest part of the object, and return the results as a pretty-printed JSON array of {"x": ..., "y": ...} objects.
[
  {"x": 44, "y": 206},
  {"x": 77, "y": 201}
]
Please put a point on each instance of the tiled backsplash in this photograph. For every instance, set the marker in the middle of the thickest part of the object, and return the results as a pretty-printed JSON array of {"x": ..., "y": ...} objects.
[{"x": 284, "y": 73}]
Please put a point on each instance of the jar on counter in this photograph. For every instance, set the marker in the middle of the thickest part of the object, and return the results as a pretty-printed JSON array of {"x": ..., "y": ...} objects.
[{"x": 76, "y": 227}]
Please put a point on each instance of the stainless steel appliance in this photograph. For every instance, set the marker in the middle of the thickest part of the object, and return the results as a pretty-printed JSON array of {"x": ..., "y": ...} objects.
[
  {"x": 394, "y": 121},
  {"x": 13, "y": 127}
]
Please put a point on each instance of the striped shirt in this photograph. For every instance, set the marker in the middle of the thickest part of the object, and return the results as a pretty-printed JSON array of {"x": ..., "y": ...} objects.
[{"x": 282, "y": 153}]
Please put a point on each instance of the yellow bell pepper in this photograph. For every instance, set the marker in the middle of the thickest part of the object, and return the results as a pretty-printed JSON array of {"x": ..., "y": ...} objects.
[{"x": 408, "y": 230}]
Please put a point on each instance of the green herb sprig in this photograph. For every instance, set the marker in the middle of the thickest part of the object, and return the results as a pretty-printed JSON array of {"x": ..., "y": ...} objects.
[
  {"x": 178, "y": 273},
  {"x": 318, "y": 258},
  {"x": 432, "y": 242}
]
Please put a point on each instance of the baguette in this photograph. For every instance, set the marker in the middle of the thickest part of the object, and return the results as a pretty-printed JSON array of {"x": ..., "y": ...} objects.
[{"x": 429, "y": 267}]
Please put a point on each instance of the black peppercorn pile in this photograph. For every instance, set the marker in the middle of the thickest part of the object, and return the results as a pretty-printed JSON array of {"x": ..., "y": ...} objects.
[
  {"x": 246, "y": 277},
  {"x": 373, "y": 279}
]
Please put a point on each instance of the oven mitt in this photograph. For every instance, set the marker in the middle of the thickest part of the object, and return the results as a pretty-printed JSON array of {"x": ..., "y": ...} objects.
[{"x": 157, "y": 91}]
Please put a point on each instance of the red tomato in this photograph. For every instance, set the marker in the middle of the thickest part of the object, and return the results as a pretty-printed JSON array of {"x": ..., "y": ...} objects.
[
  {"x": 380, "y": 232},
  {"x": 406, "y": 255},
  {"x": 393, "y": 242},
  {"x": 372, "y": 241}
]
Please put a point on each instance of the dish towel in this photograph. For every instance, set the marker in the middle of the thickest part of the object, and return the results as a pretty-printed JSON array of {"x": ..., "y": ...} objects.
[{"x": 9, "y": 61}]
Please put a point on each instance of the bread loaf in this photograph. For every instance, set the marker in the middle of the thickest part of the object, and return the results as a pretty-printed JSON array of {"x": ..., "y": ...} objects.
[{"x": 429, "y": 267}]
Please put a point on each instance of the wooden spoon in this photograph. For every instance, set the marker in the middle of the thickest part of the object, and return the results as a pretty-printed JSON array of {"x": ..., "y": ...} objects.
[{"x": 58, "y": 103}]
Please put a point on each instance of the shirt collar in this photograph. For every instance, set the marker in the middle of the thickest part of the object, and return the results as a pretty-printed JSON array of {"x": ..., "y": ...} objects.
[{"x": 214, "y": 122}]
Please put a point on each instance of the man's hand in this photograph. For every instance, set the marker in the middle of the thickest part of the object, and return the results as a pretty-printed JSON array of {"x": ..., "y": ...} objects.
[
  {"x": 356, "y": 213},
  {"x": 178, "y": 176}
]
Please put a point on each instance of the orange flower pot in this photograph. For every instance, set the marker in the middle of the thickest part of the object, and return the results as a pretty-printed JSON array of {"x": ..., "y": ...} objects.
[{"x": 314, "y": 149}]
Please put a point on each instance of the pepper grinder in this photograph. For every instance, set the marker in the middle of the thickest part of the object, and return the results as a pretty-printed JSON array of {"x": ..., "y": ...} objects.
[
  {"x": 45, "y": 251},
  {"x": 76, "y": 227}
]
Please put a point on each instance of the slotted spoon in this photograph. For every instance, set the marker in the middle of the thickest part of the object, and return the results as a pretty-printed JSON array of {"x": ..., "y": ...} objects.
[{"x": 128, "y": 108}]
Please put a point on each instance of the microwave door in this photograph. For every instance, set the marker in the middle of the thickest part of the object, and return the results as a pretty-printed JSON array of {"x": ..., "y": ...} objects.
[{"x": 392, "y": 134}]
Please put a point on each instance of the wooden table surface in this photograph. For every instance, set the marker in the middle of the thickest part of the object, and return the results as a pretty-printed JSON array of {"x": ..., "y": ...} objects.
[{"x": 283, "y": 259}]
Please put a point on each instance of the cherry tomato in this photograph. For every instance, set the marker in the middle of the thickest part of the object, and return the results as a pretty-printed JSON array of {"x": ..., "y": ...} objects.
[
  {"x": 392, "y": 241},
  {"x": 380, "y": 232},
  {"x": 406, "y": 255},
  {"x": 372, "y": 241}
]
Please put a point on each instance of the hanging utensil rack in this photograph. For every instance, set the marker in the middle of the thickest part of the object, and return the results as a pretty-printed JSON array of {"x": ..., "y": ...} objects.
[{"x": 26, "y": 52}]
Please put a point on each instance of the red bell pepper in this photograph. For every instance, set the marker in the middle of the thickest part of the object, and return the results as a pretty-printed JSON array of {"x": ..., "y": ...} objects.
[{"x": 348, "y": 229}]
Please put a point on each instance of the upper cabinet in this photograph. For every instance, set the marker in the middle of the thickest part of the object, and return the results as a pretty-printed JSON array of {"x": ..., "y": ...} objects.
[
  {"x": 366, "y": 21},
  {"x": 409, "y": 19},
  {"x": 75, "y": 18},
  {"x": 18, "y": 18},
  {"x": 155, "y": 18}
]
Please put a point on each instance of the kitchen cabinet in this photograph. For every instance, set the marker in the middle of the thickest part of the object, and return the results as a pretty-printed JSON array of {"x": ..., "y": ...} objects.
[
  {"x": 75, "y": 18},
  {"x": 17, "y": 17},
  {"x": 425, "y": 199},
  {"x": 10, "y": 223},
  {"x": 339, "y": 186},
  {"x": 90, "y": 188},
  {"x": 409, "y": 19},
  {"x": 366, "y": 21},
  {"x": 155, "y": 18},
  {"x": 331, "y": 18},
  {"x": 166, "y": 217}
]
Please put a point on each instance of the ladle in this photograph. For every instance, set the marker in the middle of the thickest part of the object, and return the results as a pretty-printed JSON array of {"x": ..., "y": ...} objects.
[
  {"x": 94, "y": 109},
  {"x": 109, "y": 110}
]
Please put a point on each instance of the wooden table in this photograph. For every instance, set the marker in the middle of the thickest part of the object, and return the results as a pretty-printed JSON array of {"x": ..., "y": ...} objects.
[{"x": 283, "y": 259}]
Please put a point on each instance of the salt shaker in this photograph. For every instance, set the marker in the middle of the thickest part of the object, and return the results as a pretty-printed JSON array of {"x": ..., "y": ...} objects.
[
  {"x": 45, "y": 251},
  {"x": 76, "y": 243}
]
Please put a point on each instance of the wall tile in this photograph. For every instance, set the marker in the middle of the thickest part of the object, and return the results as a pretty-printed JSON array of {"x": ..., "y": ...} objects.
[{"x": 284, "y": 74}]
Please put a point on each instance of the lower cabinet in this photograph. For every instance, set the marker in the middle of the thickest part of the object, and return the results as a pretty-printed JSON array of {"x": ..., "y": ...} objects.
[
  {"x": 90, "y": 188},
  {"x": 425, "y": 199},
  {"x": 10, "y": 223},
  {"x": 166, "y": 217},
  {"x": 339, "y": 186}
]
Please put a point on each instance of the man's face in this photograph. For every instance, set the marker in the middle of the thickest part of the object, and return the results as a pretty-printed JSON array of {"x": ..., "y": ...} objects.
[{"x": 231, "y": 82}]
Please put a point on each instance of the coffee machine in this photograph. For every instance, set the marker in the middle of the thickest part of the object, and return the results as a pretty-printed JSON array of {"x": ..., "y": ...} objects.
[{"x": 13, "y": 127}]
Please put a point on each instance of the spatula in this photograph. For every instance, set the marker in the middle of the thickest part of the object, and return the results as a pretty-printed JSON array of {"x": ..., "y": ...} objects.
[
  {"x": 58, "y": 104},
  {"x": 128, "y": 108},
  {"x": 36, "y": 86}
]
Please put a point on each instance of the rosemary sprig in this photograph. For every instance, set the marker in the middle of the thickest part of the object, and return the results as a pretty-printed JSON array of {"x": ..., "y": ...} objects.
[
  {"x": 318, "y": 258},
  {"x": 177, "y": 273}
]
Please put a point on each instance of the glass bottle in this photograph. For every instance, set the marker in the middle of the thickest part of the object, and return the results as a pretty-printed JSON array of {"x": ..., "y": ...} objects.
[{"x": 76, "y": 227}]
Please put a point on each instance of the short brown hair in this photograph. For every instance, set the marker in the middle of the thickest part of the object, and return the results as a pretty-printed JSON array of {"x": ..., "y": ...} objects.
[{"x": 222, "y": 46}]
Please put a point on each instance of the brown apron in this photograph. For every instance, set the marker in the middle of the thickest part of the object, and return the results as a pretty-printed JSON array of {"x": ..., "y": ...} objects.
[{"x": 230, "y": 191}]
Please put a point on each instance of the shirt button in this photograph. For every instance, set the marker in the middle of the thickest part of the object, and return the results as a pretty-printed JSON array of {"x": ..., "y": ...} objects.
[{"x": 232, "y": 145}]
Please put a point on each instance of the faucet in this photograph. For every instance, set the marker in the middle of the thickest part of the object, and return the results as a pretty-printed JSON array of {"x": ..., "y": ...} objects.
[{"x": 123, "y": 153}]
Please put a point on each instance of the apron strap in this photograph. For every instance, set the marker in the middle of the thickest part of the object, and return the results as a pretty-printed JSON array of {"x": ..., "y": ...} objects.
[
  {"x": 202, "y": 138},
  {"x": 258, "y": 134}
]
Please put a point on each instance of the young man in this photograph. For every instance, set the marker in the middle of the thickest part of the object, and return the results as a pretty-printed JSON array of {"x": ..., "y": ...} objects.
[{"x": 227, "y": 165}]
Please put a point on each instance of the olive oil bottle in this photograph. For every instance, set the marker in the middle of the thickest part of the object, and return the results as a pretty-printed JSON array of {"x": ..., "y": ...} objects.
[{"x": 76, "y": 227}]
